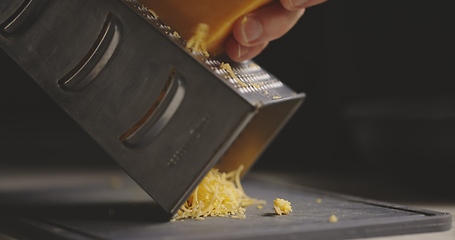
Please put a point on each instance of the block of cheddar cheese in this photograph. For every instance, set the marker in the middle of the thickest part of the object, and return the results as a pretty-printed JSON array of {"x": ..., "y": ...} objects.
[{"x": 184, "y": 16}]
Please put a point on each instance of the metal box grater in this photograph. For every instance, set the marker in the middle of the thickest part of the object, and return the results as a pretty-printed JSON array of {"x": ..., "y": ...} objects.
[{"x": 164, "y": 114}]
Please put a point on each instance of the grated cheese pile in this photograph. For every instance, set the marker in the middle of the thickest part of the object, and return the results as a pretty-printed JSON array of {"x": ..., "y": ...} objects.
[
  {"x": 282, "y": 206},
  {"x": 218, "y": 195}
]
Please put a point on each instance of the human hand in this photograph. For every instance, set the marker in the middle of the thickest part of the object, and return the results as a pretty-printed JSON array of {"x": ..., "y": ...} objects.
[{"x": 253, "y": 32}]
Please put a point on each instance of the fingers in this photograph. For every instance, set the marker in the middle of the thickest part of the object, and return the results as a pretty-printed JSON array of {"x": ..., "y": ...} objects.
[
  {"x": 265, "y": 24},
  {"x": 253, "y": 32},
  {"x": 238, "y": 52},
  {"x": 292, "y": 5}
]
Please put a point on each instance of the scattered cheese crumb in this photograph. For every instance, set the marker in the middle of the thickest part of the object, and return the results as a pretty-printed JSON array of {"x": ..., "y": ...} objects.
[
  {"x": 319, "y": 200},
  {"x": 333, "y": 218},
  {"x": 218, "y": 195},
  {"x": 197, "y": 42},
  {"x": 282, "y": 206}
]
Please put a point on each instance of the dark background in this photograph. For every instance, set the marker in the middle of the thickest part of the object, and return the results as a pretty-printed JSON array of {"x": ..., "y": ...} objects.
[{"x": 378, "y": 79}]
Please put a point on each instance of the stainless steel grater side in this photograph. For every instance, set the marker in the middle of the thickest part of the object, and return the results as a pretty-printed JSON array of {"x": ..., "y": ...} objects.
[{"x": 166, "y": 115}]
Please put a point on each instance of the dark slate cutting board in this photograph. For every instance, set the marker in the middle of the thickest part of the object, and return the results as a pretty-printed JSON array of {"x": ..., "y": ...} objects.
[{"x": 109, "y": 205}]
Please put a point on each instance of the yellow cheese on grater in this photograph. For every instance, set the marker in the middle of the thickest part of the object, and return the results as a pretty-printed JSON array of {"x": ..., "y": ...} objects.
[{"x": 184, "y": 16}]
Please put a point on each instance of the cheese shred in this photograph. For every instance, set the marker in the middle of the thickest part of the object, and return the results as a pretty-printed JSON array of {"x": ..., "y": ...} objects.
[
  {"x": 228, "y": 68},
  {"x": 197, "y": 42},
  {"x": 217, "y": 195}
]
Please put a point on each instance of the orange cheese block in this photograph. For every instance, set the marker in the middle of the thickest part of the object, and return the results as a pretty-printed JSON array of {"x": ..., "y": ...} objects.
[{"x": 184, "y": 16}]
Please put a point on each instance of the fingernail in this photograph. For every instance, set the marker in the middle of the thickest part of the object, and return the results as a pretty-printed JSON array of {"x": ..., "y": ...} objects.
[
  {"x": 251, "y": 29},
  {"x": 297, "y": 3},
  {"x": 241, "y": 51}
]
